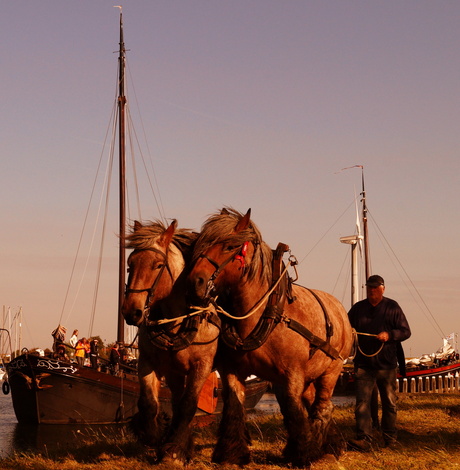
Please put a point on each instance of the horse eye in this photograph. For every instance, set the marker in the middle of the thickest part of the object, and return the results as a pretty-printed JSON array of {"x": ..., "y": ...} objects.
[{"x": 159, "y": 266}]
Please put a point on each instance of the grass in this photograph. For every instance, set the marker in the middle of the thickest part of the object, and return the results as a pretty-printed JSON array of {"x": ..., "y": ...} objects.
[{"x": 429, "y": 439}]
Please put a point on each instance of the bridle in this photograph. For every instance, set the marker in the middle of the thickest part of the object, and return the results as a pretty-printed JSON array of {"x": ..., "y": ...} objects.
[
  {"x": 150, "y": 291},
  {"x": 238, "y": 254}
]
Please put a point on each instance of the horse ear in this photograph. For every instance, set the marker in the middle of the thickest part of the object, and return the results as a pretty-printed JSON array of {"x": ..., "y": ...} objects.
[
  {"x": 137, "y": 225},
  {"x": 224, "y": 211},
  {"x": 243, "y": 224},
  {"x": 167, "y": 235}
]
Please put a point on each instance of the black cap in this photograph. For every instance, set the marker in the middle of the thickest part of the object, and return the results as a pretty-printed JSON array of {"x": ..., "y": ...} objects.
[{"x": 375, "y": 281}]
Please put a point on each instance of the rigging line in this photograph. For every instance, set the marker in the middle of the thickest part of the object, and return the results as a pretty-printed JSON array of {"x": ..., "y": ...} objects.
[
  {"x": 93, "y": 237},
  {"x": 325, "y": 233},
  {"x": 101, "y": 249},
  {"x": 104, "y": 225},
  {"x": 348, "y": 275},
  {"x": 387, "y": 247},
  {"x": 159, "y": 202},
  {"x": 85, "y": 222},
  {"x": 133, "y": 166}
]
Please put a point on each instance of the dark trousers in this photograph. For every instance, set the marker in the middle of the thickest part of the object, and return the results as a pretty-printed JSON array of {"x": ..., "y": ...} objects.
[
  {"x": 365, "y": 381},
  {"x": 93, "y": 360}
]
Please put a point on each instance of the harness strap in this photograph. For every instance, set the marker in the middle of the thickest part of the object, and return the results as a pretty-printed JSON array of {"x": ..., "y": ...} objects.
[
  {"x": 271, "y": 315},
  {"x": 162, "y": 337},
  {"x": 316, "y": 341},
  {"x": 329, "y": 325}
]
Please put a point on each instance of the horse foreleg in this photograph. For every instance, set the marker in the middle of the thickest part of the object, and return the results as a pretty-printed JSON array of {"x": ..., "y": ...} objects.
[
  {"x": 233, "y": 442},
  {"x": 149, "y": 424},
  {"x": 178, "y": 446},
  {"x": 298, "y": 449}
]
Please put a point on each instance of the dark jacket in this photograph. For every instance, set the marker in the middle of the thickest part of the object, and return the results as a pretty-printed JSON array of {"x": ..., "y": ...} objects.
[{"x": 386, "y": 316}]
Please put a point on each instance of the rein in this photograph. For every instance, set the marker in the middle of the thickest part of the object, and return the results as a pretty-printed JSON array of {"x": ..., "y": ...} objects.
[
  {"x": 359, "y": 347},
  {"x": 292, "y": 262}
]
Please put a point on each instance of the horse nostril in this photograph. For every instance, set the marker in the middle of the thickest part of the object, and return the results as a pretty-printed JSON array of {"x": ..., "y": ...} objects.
[
  {"x": 200, "y": 285},
  {"x": 133, "y": 317}
]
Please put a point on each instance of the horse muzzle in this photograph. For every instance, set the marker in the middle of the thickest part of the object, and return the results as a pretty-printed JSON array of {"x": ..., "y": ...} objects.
[
  {"x": 200, "y": 289},
  {"x": 133, "y": 316}
]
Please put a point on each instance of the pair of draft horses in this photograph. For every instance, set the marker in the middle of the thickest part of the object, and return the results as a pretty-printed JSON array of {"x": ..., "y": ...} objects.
[{"x": 255, "y": 321}]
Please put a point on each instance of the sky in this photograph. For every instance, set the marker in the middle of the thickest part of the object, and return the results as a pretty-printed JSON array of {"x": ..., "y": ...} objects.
[{"x": 251, "y": 104}]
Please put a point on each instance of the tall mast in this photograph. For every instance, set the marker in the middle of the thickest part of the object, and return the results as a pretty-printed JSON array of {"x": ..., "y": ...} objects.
[
  {"x": 354, "y": 241},
  {"x": 122, "y": 185},
  {"x": 365, "y": 230}
]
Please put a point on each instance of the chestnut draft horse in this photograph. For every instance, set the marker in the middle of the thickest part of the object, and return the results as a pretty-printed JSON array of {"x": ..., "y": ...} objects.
[
  {"x": 296, "y": 338},
  {"x": 172, "y": 345}
]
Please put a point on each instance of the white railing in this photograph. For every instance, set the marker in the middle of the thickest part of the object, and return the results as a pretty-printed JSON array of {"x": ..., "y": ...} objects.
[{"x": 430, "y": 384}]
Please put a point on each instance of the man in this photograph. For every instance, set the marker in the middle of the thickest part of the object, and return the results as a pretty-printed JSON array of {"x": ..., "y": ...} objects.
[
  {"x": 381, "y": 325},
  {"x": 94, "y": 353},
  {"x": 115, "y": 359}
]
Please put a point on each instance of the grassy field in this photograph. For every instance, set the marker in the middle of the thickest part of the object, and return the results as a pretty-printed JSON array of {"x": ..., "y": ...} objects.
[{"x": 429, "y": 438}]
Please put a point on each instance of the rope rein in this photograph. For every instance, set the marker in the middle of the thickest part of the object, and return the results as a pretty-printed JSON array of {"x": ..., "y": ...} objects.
[
  {"x": 195, "y": 310},
  {"x": 359, "y": 347},
  {"x": 292, "y": 262}
]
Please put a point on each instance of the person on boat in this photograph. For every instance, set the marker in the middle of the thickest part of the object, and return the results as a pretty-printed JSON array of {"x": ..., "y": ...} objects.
[
  {"x": 74, "y": 339},
  {"x": 73, "y": 342},
  {"x": 94, "y": 353},
  {"x": 80, "y": 352},
  {"x": 58, "y": 337},
  {"x": 115, "y": 359},
  {"x": 380, "y": 324},
  {"x": 61, "y": 354}
]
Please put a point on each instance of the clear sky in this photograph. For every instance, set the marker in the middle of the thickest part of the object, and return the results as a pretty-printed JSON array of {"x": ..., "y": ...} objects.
[{"x": 244, "y": 103}]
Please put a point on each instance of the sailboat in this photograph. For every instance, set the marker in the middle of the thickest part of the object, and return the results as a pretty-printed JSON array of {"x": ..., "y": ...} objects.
[
  {"x": 417, "y": 371},
  {"x": 46, "y": 390}
]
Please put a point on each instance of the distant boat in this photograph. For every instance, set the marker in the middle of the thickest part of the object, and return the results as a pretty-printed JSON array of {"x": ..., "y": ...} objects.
[{"x": 51, "y": 391}]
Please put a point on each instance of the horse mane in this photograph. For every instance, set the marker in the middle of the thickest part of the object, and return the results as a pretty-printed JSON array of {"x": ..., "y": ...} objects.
[
  {"x": 146, "y": 235},
  {"x": 219, "y": 228}
]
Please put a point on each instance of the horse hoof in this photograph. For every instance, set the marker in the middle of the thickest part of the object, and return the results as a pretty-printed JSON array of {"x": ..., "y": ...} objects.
[
  {"x": 173, "y": 455},
  {"x": 240, "y": 460},
  {"x": 169, "y": 461}
]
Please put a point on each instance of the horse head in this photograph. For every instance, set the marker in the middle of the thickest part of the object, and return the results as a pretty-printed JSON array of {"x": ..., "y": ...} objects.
[
  {"x": 153, "y": 267},
  {"x": 229, "y": 250}
]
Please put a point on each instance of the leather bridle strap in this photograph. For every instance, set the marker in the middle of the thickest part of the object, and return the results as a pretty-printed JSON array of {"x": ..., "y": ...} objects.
[
  {"x": 151, "y": 290},
  {"x": 219, "y": 268}
]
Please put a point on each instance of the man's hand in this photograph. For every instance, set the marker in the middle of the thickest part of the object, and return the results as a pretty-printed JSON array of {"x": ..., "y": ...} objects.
[{"x": 383, "y": 336}]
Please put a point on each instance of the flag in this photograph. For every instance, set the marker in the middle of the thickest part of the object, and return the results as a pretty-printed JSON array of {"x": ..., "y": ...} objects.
[{"x": 450, "y": 337}]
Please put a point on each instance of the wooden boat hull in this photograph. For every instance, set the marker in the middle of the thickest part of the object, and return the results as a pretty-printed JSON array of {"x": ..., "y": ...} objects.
[{"x": 48, "y": 391}]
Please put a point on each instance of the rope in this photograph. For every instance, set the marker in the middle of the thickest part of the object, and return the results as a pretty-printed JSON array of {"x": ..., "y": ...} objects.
[
  {"x": 199, "y": 310},
  {"x": 359, "y": 347},
  {"x": 256, "y": 306}
]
